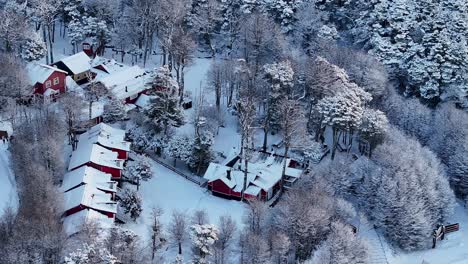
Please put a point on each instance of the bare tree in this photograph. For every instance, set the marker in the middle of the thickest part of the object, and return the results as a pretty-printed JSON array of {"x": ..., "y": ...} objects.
[
  {"x": 246, "y": 108},
  {"x": 200, "y": 217},
  {"x": 178, "y": 228},
  {"x": 72, "y": 106},
  {"x": 293, "y": 123},
  {"x": 156, "y": 231},
  {"x": 182, "y": 47},
  {"x": 255, "y": 217},
  {"x": 227, "y": 229}
]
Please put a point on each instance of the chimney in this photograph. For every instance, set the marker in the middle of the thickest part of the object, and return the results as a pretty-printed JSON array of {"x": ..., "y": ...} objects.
[
  {"x": 228, "y": 174},
  {"x": 126, "y": 89}
]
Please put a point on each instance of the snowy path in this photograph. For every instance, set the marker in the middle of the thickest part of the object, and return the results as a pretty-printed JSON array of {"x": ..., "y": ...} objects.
[
  {"x": 8, "y": 196},
  {"x": 376, "y": 250}
]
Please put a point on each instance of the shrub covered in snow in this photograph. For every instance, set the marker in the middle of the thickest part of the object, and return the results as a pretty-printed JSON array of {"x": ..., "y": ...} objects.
[
  {"x": 130, "y": 201},
  {"x": 203, "y": 238},
  {"x": 138, "y": 169}
]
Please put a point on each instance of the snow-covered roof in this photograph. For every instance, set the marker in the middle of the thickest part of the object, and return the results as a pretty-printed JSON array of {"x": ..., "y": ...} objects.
[
  {"x": 88, "y": 152},
  {"x": 128, "y": 82},
  {"x": 293, "y": 172},
  {"x": 109, "y": 65},
  {"x": 144, "y": 100},
  {"x": 89, "y": 176},
  {"x": 72, "y": 86},
  {"x": 217, "y": 171},
  {"x": 263, "y": 173},
  {"x": 97, "y": 109},
  {"x": 106, "y": 136},
  {"x": 38, "y": 73},
  {"x": 75, "y": 222},
  {"x": 77, "y": 63},
  {"x": 6, "y": 126},
  {"x": 90, "y": 197}
]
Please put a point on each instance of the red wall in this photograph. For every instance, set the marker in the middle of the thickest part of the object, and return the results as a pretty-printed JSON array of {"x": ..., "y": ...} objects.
[
  {"x": 121, "y": 154},
  {"x": 220, "y": 187},
  {"x": 116, "y": 173},
  {"x": 74, "y": 210},
  {"x": 40, "y": 87}
]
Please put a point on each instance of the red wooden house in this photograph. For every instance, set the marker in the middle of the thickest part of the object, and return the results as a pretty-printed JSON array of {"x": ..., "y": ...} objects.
[
  {"x": 100, "y": 158},
  {"x": 88, "y": 197},
  {"x": 89, "y": 176},
  {"x": 263, "y": 177},
  {"x": 46, "y": 80},
  {"x": 108, "y": 137}
]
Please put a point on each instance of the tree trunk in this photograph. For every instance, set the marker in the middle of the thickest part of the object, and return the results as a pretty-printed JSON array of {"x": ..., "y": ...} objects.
[
  {"x": 286, "y": 150},
  {"x": 44, "y": 35},
  {"x": 335, "y": 143},
  {"x": 180, "y": 248},
  {"x": 51, "y": 49},
  {"x": 182, "y": 84}
]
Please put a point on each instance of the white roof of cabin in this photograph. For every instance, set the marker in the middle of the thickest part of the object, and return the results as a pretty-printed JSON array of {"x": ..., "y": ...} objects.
[
  {"x": 75, "y": 222},
  {"x": 77, "y": 63},
  {"x": 38, "y": 73},
  {"x": 90, "y": 197},
  {"x": 110, "y": 65},
  {"x": 106, "y": 136},
  {"x": 128, "y": 82},
  {"x": 89, "y": 176},
  {"x": 88, "y": 152},
  {"x": 262, "y": 174}
]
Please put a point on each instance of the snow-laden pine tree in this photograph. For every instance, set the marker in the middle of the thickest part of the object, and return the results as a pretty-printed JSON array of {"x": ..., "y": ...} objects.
[
  {"x": 179, "y": 147},
  {"x": 341, "y": 247},
  {"x": 373, "y": 126},
  {"x": 114, "y": 111},
  {"x": 130, "y": 201},
  {"x": 280, "y": 78},
  {"x": 284, "y": 12},
  {"x": 90, "y": 254},
  {"x": 203, "y": 238},
  {"x": 201, "y": 154},
  {"x": 165, "y": 110},
  {"x": 33, "y": 48},
  {"x": 413, "y": 194},
  {"x": 138, "y": 169}
]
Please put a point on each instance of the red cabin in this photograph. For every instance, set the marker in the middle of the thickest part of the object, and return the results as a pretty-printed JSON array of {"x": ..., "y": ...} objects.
[{"x": 46, "y": 80}]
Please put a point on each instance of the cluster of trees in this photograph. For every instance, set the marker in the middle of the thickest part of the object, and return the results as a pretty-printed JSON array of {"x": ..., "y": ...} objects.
[
  {"x": 422, "y": 43},
  {"x": 34, "y": 232}
]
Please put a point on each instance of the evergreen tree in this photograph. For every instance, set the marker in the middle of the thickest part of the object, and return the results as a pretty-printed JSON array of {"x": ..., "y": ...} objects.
[
  {"x": 130, "y": 201},
  {"x": 34, "y": 48},
  {"x": 201, "y": 151},
  {"x": 114, "y": 110},
  {"x": 203, "y": 238}
]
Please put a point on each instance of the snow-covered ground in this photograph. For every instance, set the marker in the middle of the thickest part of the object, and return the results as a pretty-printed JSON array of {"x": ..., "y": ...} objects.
[
  {"x": 170, "y": 192},
  {"x": 8, "y": 195}
]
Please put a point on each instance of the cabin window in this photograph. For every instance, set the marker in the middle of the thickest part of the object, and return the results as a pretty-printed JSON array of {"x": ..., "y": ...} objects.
[
  {"x": 48, "y": 84},
  {"x": 86, "y": 46},
  {"x": 56, "y": 80}
]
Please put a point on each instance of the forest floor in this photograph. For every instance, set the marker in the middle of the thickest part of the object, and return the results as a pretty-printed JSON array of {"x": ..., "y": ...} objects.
[{"x": 8, "y": 195}]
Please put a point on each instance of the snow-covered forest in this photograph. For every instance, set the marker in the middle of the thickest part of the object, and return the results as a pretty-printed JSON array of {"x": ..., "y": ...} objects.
[{"x": 234, "y": 131}]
